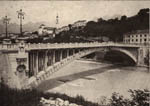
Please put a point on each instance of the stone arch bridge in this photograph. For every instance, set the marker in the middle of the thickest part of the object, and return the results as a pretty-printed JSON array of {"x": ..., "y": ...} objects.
[{"x": 27, "y": 65}]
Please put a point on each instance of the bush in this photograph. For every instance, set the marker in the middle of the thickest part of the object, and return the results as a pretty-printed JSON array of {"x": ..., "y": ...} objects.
[
  {"x": 138, "y": 98},
  {"x": 31, "y": 97}
]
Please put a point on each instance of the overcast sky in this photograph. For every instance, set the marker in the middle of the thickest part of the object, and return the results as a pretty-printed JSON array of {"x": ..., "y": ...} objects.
[{"x": 69, "y": 11}]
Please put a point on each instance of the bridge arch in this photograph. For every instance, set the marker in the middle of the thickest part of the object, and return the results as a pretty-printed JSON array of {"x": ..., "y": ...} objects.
[{"x": 125, "y": 52}]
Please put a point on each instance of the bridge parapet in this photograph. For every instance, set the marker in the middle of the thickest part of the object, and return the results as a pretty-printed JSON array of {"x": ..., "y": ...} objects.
[{"x": 29, "y": 46}]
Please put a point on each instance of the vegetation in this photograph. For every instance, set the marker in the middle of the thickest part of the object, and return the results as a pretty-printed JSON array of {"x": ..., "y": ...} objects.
[
  {"x": 138, "y": 98},
  {"x": 111, "y": 28},
  {"x": 14, "y": 97}
]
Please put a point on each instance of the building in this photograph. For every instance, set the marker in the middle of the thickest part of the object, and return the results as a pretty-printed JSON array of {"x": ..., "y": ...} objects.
[
  {"x": 80, "y": 23},
  {"x": 64, "y": 28},
  {"x": 40, "y": 30},
  {"x": 44, "y": 30},
  {"x": 137, "y": 37}
]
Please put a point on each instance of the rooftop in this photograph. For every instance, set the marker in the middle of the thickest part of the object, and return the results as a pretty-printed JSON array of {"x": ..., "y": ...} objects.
[
  {"x": 49, "y": 28},
  {"x": 138, "y": 32}
]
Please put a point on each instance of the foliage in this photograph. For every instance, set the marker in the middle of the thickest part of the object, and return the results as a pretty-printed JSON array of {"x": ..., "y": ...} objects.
[
  {"x": 112, "y": 28},
  {"x": 31, "y": 97},
  {"x": 138, "y": 98},
  {"x": 115, "y": 28}
]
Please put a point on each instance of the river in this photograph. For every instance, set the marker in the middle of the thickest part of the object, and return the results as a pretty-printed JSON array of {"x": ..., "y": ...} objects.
[{"x": 94, "y": 80}]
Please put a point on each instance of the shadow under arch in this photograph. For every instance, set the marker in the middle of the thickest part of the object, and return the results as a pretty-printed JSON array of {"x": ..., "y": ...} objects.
[{"x": 123, "y": 57}]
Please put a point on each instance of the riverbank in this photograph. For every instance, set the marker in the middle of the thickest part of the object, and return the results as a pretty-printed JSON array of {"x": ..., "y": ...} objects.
[
  {"x": 14, "y": 97},
  {"x": 32, "y": 97}
]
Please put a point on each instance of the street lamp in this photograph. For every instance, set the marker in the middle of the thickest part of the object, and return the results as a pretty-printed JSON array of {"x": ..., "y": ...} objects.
[
  {"x": 6, "y": 22},
  {"x": 21, "y": 17}
]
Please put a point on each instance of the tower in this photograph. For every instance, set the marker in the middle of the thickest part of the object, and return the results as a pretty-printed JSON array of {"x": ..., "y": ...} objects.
[{"x": 57, "y": 20}]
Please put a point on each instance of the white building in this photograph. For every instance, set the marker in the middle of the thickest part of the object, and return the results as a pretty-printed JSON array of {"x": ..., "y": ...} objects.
[
  {"x": 43, "y": 30},
  {"x": 65, "y": 28},
  {"x": 137, "y": 37},
  {"x": 40, "y": 31},
  {"x": 80, "y": 23}
]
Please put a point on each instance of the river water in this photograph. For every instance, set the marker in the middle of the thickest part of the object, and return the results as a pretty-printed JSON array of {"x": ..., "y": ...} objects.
[{"x": 94, "y": 80}]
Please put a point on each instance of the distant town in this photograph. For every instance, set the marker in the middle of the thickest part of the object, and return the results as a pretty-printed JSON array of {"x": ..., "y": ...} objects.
[{"x": 116, "y": 30}]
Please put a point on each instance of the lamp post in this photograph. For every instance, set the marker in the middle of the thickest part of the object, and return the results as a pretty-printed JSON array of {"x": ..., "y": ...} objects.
[
  {"x": 21, "y": 17},
  {"x": 6, "y": 22}
]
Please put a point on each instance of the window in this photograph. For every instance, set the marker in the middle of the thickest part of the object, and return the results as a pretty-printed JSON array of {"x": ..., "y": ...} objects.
[
  {"x": 145, "y": 35},
  {"x": 145, "y": 40},
  {"x": 140, "y": 35},
  {"x": 140, "y": 40},
  {"x": 136, "y": 40}
]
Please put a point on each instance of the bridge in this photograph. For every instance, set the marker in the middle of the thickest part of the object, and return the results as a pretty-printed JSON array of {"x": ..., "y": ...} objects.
[{"x": 27, "y": 65}]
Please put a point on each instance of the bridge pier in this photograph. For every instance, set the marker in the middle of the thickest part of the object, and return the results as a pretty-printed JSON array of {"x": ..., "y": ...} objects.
[
  {"x": 50, "y": 59},
  {"x": 53, "y": 57},
  {"x": 139, "y": 57},
  {"x": 67, "y": 52},
  {"x": 61, "y": 54},
  {"x": 37, "y": 64},
  {"x": 64, "y": 54},
  {"x": 46, "y": 60}
]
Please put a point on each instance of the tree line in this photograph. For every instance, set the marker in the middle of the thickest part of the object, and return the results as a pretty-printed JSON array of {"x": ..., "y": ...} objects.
[
  {"x": 115, "y": 28},
  {"x": 111, "y": 28}
]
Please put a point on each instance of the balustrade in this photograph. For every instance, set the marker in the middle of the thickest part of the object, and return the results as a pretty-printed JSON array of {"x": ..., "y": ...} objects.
[{"x": 29, "y": 46}]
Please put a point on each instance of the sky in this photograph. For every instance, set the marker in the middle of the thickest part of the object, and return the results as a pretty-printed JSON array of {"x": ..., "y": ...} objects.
[{"x": 69, "y": 11}]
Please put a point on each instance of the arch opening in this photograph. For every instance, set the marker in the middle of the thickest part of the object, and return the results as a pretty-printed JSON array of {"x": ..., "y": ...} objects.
[{"x": 119, "y": 57}]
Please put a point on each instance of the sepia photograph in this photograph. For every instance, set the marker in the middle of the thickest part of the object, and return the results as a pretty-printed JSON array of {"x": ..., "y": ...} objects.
[{"x": 74, "y": 53}]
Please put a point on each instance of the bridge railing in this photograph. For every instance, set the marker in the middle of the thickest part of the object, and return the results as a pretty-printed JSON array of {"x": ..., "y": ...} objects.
[
  {"x": 29, "y": 46},
  {"x": 9, "y": 47}
]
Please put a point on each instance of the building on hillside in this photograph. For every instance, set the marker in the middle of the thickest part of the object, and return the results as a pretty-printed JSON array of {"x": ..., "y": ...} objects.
[
  {"x": 64, "y": 28},
  {"x": 27, "y": 33},
  {"x": 58, "y": 30},
  {"x": 44, "y": 30},
  {"x": 80, "y": 23},
  {"x": 50, "y": 31},
  {"x": 100, "y": 39},
  {"x": 137, "y": 37},
  {"x": 40, "y": 30}
]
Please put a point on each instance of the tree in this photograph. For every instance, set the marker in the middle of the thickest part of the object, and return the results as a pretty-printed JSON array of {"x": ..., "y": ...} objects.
[
  {"x": 123, "y": 18},
  {"x": 70, "y": 26},
  {"x": 119, "y": 100},
  {"x": 138, "y": 98}
]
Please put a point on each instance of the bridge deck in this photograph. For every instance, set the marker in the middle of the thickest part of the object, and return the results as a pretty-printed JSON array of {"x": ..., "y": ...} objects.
[{"x": 14, "y": 47}]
